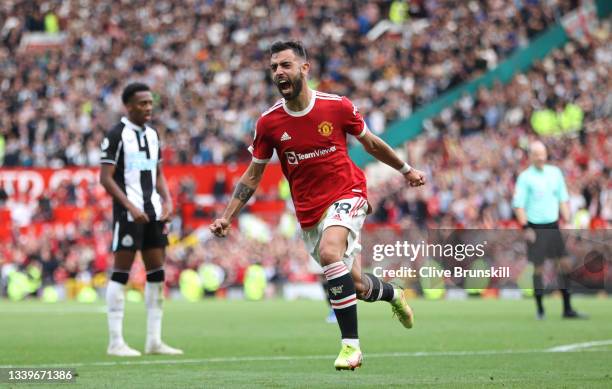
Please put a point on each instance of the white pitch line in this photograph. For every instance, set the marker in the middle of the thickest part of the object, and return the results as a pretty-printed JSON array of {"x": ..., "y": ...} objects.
[
  {"x": 579, "y": 346},
  {"x": 289, "y": 358},
  {"x": 50, "y": 310}
]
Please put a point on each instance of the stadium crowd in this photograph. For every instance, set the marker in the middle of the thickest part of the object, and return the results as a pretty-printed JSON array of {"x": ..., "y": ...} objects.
[
  {"x": 207, "y": 61},
  {"x": 475, "y": 149},
  {"x": 210, "y": 93}
]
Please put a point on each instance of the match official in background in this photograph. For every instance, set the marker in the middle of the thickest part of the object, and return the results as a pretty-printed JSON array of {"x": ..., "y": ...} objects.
[
  {"x": 131, "y": 173},
  {"x": 540, "y": 195}
]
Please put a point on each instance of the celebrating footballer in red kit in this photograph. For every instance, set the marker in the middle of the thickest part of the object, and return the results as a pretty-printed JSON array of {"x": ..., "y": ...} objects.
[{"x": 308, "y": 130}]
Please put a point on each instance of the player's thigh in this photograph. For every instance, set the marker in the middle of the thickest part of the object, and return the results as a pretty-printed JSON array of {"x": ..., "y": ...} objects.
[
  {"x": 154, "y": 242},
  {"x": 565, "y": 264},
  {"x": 538, "y": 268},
  {"x": 123, "y": 260},
  {"x": 153, "y": 258},
  {"x": 333, "y": 244},
  {"x": 556, "y": 249}
]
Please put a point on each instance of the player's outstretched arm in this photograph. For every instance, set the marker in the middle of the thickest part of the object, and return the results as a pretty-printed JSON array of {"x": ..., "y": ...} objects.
[
  {"x": 385, "y": 154},
  {"x": 242, "y": 193}
]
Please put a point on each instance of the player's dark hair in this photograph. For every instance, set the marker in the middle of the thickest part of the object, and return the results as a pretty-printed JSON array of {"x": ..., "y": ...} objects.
[
  {"x": 131, "y": 89},
  {"x": 294, "y": 46}
]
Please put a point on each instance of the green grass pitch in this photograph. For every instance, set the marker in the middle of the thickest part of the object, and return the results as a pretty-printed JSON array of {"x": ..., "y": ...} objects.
[{"x": 278, "y": 343}]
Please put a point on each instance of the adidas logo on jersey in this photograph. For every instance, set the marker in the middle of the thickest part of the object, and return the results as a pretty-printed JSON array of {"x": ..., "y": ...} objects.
[{"x": 285, "y": 137}]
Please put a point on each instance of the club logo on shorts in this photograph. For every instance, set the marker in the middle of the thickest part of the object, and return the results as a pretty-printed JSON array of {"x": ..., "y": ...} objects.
[
  {"x": 292, "y": 159},
  {"x": 325, "y": 128},
  {"x": 127, "y": 241},
  {"x": 336, "y": 290}
]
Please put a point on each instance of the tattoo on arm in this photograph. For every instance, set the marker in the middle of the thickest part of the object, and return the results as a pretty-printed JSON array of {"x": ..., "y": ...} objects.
[{"x": 243, "y": 192}]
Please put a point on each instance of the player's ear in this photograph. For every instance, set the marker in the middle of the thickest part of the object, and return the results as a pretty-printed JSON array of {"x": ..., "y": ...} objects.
[
  {"x": 128, "y": 105},
  {"x": 305, "y": 67}
]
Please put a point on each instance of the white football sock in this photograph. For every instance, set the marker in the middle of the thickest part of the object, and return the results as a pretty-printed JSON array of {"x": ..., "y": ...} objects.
[
  {"x": 396, "y": 294},
  {"x": 153, "y": 300},
  {"x": 115, "y": 301},
  {"x": 351, "y": 342}
]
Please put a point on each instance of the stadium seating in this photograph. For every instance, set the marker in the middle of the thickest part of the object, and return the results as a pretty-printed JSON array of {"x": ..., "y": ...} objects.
[{"x": 209, "y": 95}]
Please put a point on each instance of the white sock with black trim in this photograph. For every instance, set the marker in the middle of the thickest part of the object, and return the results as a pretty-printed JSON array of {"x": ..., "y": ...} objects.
[{"x": 153, "y": 300}]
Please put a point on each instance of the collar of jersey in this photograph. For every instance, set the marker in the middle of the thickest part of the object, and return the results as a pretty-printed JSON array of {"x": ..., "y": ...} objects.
[
  {"x": 132, "y": 125},
  {"x": 306, "y": 110},
  {"x": 535, "y": 169}
]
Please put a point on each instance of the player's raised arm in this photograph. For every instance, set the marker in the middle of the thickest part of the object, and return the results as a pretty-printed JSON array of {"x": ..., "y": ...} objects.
[
  {"x": 385, "y": 154},
  {"x": 242, "y": 193}
]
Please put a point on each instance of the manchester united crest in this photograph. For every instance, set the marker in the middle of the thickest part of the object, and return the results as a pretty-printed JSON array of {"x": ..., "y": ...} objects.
[{"x": 326, "y": 128}]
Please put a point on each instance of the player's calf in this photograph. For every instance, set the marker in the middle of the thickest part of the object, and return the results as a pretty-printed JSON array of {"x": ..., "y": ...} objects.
[
  {"x": 115, "y": 303},
  {"x": 371, "y": 289},
  {"x": 115, "y": 300},
  {"x": 153, "y": 301},
  {"x": 343, "y": 299}
]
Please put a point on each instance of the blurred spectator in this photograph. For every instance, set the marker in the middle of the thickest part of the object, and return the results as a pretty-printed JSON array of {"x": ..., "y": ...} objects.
[
  {"x": 213, "y": 85},
  {"x": 474, "y": 149},
  {"x": 206, "y": 60}
]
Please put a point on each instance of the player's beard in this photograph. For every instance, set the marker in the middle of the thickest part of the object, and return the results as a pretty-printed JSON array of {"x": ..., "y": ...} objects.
[{"x": 296, "y": 87}]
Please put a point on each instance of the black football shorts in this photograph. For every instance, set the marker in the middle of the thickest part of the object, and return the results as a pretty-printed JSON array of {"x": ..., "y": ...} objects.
[
  {"x": 133, "y": 236},
  {"x": 548, "y": 244}
]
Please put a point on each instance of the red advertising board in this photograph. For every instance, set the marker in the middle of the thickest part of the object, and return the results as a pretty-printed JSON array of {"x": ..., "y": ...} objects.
[{"x": 36, "y": 181}]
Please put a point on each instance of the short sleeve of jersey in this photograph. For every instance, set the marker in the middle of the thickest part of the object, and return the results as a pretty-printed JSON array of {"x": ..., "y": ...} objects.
[
  {"x": 111, "y": 147},
  {"x": 261, "y": 149},
  {"x": 354, "y": 123}
]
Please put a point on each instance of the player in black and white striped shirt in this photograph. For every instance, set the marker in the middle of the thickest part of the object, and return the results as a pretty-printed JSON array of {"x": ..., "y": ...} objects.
[{"x": 131, "y": 173}]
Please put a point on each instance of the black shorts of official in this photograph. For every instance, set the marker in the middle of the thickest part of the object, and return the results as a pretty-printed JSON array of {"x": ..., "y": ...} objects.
[
  {"x": 139, "y": 236},
  {"x": 548, "y": 244}
]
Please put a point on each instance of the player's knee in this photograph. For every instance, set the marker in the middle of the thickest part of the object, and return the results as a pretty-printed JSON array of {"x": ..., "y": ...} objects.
[
  {"x": 329, "y": 253},
  {"x": 538, "y": 270},
  {"x": 156, "y": 275},
  {"x": 120, "y": 277}
]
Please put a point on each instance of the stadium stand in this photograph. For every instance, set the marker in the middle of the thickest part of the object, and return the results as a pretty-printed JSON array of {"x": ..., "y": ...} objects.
[
  {"x": 208, "y": 66},
  {"x": 209, "y": 88}
]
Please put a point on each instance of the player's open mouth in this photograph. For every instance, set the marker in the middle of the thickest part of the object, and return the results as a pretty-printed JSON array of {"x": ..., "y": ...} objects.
[{"x": 284, "y": 85}]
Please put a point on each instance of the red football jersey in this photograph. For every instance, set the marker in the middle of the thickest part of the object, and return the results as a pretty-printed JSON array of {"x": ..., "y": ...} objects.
[{"x": 311, "y": 146}]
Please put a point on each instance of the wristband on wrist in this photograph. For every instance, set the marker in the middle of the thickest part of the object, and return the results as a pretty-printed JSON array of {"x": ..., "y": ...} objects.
[{"x": 405, "y": 168}]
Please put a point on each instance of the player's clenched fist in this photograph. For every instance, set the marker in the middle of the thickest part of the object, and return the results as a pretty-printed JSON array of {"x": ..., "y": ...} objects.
[
  {"x": 415, "y": 177},
  {"x": 220, "y": 227}
]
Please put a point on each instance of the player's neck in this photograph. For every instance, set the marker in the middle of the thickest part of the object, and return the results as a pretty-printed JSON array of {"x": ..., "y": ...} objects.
[
  {"x": 136, "y": 122},
  {"x": 301, "y": 102}
]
